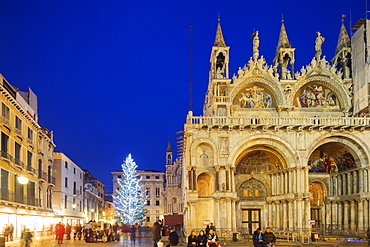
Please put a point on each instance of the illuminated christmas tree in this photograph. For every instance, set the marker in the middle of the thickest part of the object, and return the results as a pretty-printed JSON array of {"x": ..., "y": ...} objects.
[{"x": 129, "y": 200}]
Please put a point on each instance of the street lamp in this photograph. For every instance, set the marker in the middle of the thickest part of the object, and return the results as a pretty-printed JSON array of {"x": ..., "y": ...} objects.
[{"x": 74, "y": 205}]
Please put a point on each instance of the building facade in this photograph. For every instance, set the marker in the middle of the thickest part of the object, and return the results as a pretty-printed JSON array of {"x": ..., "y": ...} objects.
[
  {"x": 152, "y": 182},
  {"x": 173, "y": 194},
  {"x": 26, "y": 164},
  {"x": 279, "y": 147},
  {"x": 94, "y": 190},
  {"x": 68, "y": 199}
]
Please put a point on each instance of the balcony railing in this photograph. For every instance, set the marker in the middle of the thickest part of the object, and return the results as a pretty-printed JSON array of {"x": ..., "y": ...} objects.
[
  {"x": 334, "y": 122},
  {"x": 11, "y": 196},
  {"x": 18, "y": 131},
  {"x": 5, "y": 120},
  {"x": 19, "y": 163},
  {"x": 43, "y": 175},
  {"x": 51, "y": 180},
  {"x": 31, "y": 169},
  {"x": 6, "y": 155}
]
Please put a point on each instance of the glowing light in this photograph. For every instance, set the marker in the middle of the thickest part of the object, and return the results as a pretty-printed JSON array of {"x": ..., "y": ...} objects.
[
  {"x": 6, "y": 210},
  {"x": 22, "y": 180}
]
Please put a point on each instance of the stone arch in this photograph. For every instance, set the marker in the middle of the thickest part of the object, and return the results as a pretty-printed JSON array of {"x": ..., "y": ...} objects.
[
  {"x": 344, "y": 101},
  {"x": 204, "y": 185},
  {"x": 270, "y": 87},
  {"x": 200, "y": 145},
  {"x": 343, "y": 143},
  {"x": 289, "y": 157},
  {"x": 252, "y": 190}
]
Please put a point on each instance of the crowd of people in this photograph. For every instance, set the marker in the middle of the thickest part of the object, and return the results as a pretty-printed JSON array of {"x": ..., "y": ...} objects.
[
  {"x": 91, "y": 232},
  {"x": 205, "y": 238}
]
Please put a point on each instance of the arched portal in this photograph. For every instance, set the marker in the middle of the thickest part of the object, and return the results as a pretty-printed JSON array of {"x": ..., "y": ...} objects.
[{"x": 204, "y": 185}]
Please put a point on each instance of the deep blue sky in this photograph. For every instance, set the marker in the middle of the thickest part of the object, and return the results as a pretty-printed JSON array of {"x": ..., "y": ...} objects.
[{"x": 112, "y": 76}]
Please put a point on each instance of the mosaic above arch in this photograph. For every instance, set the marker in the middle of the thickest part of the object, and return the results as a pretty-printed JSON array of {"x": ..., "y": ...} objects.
[
  {"x": 315, "y": 95},
  {"x": 254, "y": 97},
  {"x": 259, "y": 161},
  {"x": 331, "y": 158}
]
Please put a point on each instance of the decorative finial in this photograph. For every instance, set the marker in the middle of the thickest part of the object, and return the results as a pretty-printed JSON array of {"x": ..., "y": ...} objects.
[
  {"x": 282, "y": 18},
  {"x": 219, "y": 18},
  {"x": 343, "y": 17}
]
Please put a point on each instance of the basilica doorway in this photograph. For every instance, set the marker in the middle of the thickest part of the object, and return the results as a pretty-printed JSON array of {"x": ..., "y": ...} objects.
[{"x": 251, "y": 219}]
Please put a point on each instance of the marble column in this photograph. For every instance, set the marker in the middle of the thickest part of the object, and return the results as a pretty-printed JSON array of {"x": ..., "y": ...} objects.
[
  {"x": 352, "y": 210},
  {"x": 194, "y": 180},
  {"x": 328, "y": 212},
  {"x": 307, "y": 217},
  {"x": 344, "y": 184},
  {"x": 366, "y": 182},
  {"x": 227, "y": 179},
  {"x": 360, "y": 181},
  {"x": 366, "y": 214},
  {"x": 340, "y": 213},
  {"x": 290, "y": 181},
  {"x": 299, "y": 215},
  {"x": 217, "y": 213},
  {"x": 334, "y": 213},
  {"x": 360, "y": 214},
  {"x": 233, "y": 214},
  {"x": 285, "y": 221},
  {"x": 278, "y": 211},
  {"x": 345, "y": 215},
  {"x": 270, "y": 214},
  {"x": 217, "y": 182},
  {"x": 291, "y": 215}
]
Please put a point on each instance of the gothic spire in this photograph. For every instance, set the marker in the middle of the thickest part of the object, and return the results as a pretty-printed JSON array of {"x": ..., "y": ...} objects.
[
  {"x": 219, "y": 40},
  {"x": 283, "y": 38},
  {"x": 343, "y": 40},
  {"x": 169, "y": 148}
]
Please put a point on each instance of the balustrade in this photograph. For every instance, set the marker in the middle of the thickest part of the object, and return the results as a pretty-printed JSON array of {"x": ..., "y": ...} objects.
[{"x": 337, "y": 122}]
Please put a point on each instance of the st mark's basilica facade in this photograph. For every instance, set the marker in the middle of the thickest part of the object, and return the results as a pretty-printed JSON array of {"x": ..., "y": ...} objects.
[{"x": 280, "y": 147}]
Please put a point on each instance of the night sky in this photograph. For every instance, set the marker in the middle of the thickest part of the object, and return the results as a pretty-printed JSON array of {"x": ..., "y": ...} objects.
[{"x": 112, "y": 76}]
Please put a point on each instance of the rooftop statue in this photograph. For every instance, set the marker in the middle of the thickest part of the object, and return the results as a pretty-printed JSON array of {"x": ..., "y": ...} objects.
[{"x": 318, "y": 44}]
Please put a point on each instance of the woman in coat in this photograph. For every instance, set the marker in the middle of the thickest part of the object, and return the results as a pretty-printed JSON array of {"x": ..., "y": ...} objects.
[
  {"x": 202, "y": 239},
  {"x": 192, "y": 239}
]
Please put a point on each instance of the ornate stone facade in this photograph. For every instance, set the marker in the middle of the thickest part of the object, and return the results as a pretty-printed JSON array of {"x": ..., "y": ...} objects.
[{"x": 277, "y": 147}]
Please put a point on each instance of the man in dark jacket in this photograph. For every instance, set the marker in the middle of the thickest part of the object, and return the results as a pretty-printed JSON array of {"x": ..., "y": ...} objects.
[
  {"x": 173, "y": 237},
  {"x": 258, "y": 238},
  {"x": 156, "y": 233},
  {"x": 269, "y": 238}
]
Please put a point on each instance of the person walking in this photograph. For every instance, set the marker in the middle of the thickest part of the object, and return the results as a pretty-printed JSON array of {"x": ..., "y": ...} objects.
[
  {"x": 59, "y": 232},
  {"x": 6, "y": 232},
  {"x": 269, "y": 238},
  {"x": 192, "y": 239},
  {"x": 258, "y": 238},
  {"x": 68, "y": 231},
  {"x": 11, "y": 230},
  {"x": 212, "y": 238},
  {"x": 202, "y": 239},
  {"x": 78, "y": 232},
  {"x": 156, "y": 233},
  {"x": 26, "y": 236}
]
